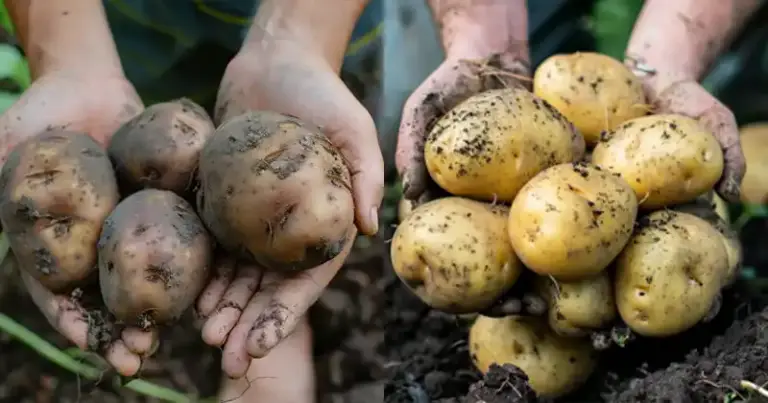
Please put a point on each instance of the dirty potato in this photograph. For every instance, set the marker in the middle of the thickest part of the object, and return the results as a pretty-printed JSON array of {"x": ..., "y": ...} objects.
[
  {"x": 154, "y": 258},
  {"x": 276, "y": 189},
  {"x": 57, "y": 189},
  {"x": 490, "y": 145},
  {"x": 578, "y": 307},
  {"x": 454, "y": 253}
]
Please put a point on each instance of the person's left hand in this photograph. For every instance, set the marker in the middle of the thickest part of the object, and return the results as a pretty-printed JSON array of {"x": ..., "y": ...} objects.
[{"x": 240, "y": 312}]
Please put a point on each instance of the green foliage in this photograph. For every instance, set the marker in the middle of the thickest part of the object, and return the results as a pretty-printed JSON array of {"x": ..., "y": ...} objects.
[
  {"x": 611, "y": 23},
  {"x": 14, "y": 71}
]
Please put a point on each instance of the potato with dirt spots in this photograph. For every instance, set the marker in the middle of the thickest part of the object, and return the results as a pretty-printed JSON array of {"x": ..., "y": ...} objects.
[
  {"x": 595, "y": 92},
  {"x": 667, "y": 159},
  {"x": 571, "y": 220},
  {"x": 275, "y": 189},
  {"x": 670, "y": 273},
  {"x": 154, "y": 258},
  {"x": 57, "y": 189},
  {"x": 490, "y": 145},
  {"x": 555, "y": 365},
  {"x": 754, "y": 142},
  {"x": 576, "y": 308},
  {"x": 454, "y": 253},
  {"x": 160, "y": 147}
]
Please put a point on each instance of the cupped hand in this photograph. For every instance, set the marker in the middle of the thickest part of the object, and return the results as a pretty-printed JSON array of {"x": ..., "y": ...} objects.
[{"x": 97, "y": 106}]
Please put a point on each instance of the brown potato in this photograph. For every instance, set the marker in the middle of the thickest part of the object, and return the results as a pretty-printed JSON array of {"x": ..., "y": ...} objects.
[
  {"x": 57, "y": 189},
  {"x": 275, "y": 188},
  {"x": 154, "y": 258},
  {"x": 160, "y": 147}
]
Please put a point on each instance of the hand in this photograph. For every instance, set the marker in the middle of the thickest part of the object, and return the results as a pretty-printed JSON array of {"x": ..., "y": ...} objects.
[{"x": 97, "y": 106}]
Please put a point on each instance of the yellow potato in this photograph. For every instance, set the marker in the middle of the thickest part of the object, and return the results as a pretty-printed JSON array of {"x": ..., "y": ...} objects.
[
  {"x": 754, "y": 142},
  {"x": 455, "y": 255},
  {"x": 594, "y": 91},
  {"x": 490, "y": 145},
  {"x": 571, "y": 220},
  {"x": 555, "y": 365},
  {"x": 577, "y": 307},
  {"x": 667, "y": 159},
  {"x": 670, "y": 273},
  {"x": 404, "y": 209},
  {"x": 721, "y": 208}
]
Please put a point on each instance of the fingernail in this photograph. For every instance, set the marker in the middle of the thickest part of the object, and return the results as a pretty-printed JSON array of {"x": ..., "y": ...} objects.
[{"x": 374, "y": 217}]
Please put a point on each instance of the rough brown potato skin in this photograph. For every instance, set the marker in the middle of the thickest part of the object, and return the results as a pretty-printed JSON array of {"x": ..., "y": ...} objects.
[
  {"x": 154, "y": 258},
  {"x": 274, "y": 189},
  {"x": 160, "y": 147},
  {"x": 57, "y": 188}
]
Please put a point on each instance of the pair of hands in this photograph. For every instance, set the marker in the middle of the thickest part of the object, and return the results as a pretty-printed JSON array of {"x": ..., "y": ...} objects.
[{"x": 242, "y": 310}]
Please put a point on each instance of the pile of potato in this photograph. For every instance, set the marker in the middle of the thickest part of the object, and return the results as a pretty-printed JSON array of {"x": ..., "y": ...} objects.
[
  {"x": 269, "y": 188},
  {"x": 609, "y": 209}
]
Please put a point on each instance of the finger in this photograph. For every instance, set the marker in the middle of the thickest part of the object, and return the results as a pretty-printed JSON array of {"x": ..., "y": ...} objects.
[
  {"x": 231, "y": 306},
  {"x": 122, "y": 359},
  {"x": 139, "y": 341},
  {"x": 722, "y": 123},
  {"x": 418, "y": 112},
  {"x": 214, "y": 291},
  {"x": 290, "y": 302}
]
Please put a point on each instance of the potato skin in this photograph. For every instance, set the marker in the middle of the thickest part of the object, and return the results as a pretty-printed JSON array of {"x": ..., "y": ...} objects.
[
  {"x": 154, "y": 258},
  {"x": 577, "y": 307},
  {"x": 571, "y": 220},
  {"x": 160, "y": 147},
  {"x": 490, "y": 145},
  {"x": 669, "y": 274},
  {"x": 57, "y": 189},
  {"x": 455, "y": 255},
  {"x": 274, "y": 189},
  {"x": 555, "y": 365},
  {"x": 404, "y": 209},
  {"x": 594, "y": 91},
  {"x": 667, "y": 159},
  {"x": 754, "y": 142}
]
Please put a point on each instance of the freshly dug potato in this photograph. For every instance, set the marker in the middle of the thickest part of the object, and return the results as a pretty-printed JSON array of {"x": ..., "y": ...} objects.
[
  {"x": 154, "y": 258},
  {"x": 594, "y": 91},
  {"x": 160, "y": 147},
  {"x": 721, "y": 208},
  {"x": 555, "y": 365},
  {"x": 275, "y": 188},
  {"x": 490, "y": 145},
  {"x": 754, "y": 142},
  {"x": 57, "y": 189},
  {"x": 454, "y": 253},
  {"x": 571, "y": 220},
  {"x": 578, "y": 307},
  {"x": 667, "y": 159},
  {"x": 404, "y": 209},
  {"x": 670, "y": 273}
]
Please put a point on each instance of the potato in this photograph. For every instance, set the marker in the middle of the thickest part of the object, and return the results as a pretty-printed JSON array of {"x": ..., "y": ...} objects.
[
  {"x": 490, "y": 145},
  {"x": 57, "y": 189},
  {"x": 721, "y": 208},
  {"x": 594, "y": 91},
  {"x": 404, "y": 209},
  {"x": 670, "y": 273},
  {"x": 571, "y": 220},
  {"x": 578, "y": 307},
  {"x": 160, "y": 147},
  {"x": 754, "y": 142},
  {"x": 275, "y": 188},
  {"x": 667, "y": 159},
  {"x": 154, "y": 258},
  {"x": 455, "y": 255},
  {"x": 555, "y": 365}
]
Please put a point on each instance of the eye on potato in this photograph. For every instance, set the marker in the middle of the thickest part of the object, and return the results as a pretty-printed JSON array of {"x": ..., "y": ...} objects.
[
  {"x": 578, "y": 307},
  {"x": 490, "y": 145},
  {"x": 754, "y": 142},
  {"x": 57, "y": 189},
  {"x": 454, "y": 253},
  {"x": 670, "y": 273},
  {"x": 555, "y": 365},
  {"x": 154, "y": 258},
  {"x": 571, "y": 220},
  {"x": 594, "y": 91},
  {"x": 667, "y": 159},
  {"x": 160, "y": 147},
  {"x": 275, "y": 189}
]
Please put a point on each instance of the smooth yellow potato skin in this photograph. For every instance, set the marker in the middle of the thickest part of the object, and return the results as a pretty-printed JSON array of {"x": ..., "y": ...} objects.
[
  {"x": 490, "y": 145},
  {"x": 594, "y": 91},
  {"x": 555, "y": 365},
  {"x": 404, "y": 209},
  {"x": 721, "y": 208},
  {"x": 571, "y": 221},
  {"x": 576, "y": 307},
  {"x": 667, "y": 159},
  {"x": 754, "y": 142},
  {"x": 455, "y": 255},
  {"x": 669, "y": 274}
]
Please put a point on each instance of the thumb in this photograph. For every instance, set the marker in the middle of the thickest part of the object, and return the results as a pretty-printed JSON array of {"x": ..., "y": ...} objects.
[{"x": 419, "y": 110}]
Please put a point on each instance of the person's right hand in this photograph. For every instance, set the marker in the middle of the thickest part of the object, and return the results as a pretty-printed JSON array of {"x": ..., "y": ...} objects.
[{"x": 96, "y": 106}]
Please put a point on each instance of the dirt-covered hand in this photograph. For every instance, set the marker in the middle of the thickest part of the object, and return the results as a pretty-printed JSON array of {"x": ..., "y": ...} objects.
[
  {"x": 96, "y": 106},
  {"x": 455, "y": 80}
]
